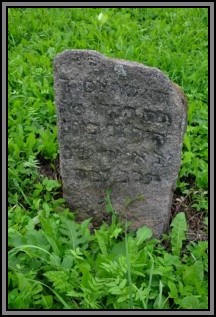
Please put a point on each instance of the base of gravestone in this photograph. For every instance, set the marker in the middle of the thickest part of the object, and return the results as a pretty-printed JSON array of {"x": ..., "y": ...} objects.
[{"x": 197, "y": 230}]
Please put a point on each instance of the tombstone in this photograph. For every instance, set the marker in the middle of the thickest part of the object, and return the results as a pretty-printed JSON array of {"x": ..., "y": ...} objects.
[{"x": 120, "y": 128}]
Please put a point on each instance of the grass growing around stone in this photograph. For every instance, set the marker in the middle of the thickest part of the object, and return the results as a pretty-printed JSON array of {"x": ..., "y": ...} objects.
[{"x": 55, "y": 262}]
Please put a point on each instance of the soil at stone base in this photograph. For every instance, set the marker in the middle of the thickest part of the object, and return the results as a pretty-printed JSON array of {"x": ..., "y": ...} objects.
[{"x": 196, "y": 228}]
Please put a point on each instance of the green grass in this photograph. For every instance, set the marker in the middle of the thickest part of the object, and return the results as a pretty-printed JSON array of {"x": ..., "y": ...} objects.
[{"x": 104, "y": 268}]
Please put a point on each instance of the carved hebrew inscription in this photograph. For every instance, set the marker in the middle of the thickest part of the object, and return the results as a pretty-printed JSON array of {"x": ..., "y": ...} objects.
[{"x": 118, "y": 128}]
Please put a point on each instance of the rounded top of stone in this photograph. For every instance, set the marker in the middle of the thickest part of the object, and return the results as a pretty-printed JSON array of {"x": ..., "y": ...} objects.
[{"x": 84, "y": 52}]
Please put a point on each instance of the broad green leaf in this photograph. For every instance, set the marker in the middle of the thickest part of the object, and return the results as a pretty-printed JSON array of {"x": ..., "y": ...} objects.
[
  {"x": 67, "y": 261},
  {"x": 15, "y": 238},
  {"x": 194, "y": 275},
  {"x": 173, "y": 290},
  {"x": 46, "y": 209},
  {"x": 101, "y": 242},
  {"x": 143, "y": 234},
  {"x": 71, "y": 230},
  {"x": 118, "y": 249},
  {"x": 55, "y": 260},
  {"x": 85, "y": 269},
  {"x": 50, "y": 234},
  {"x": 179, "y": 228}
]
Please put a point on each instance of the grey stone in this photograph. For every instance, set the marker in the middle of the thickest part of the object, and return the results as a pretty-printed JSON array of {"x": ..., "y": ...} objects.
[{"x": 120, "y": 127}]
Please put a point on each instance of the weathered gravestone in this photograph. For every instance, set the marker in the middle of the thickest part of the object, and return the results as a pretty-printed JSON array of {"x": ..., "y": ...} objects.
[{"x": 121, "y": 127}]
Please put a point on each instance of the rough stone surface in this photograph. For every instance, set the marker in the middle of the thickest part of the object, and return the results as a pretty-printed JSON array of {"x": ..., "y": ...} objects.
[{"x": 121, "y": 127}]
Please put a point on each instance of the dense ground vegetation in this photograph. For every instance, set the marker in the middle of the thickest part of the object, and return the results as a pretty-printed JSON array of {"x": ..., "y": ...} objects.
[{"x": 55, "y": 262}]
